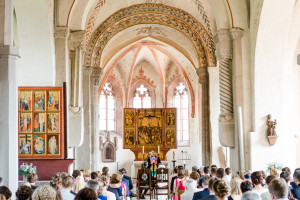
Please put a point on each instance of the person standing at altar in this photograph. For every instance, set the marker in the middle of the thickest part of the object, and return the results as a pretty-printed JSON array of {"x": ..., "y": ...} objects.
[{"x": 153, "y": 162}]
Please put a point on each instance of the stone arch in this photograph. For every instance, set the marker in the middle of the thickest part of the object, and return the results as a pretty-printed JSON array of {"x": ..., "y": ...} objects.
[
  {"x": 152, "y": 14},
  {"x": 151, "y": 87}
]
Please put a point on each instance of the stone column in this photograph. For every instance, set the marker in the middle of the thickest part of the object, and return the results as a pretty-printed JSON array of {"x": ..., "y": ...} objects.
[
  {"x": 206, "y": 130},
  {"x": 226, "y": 119},
  {"x": 95, "y": 76},
  {"x": 75, "y": 109},
  {"x": 238, "y": 85},
  {"x": 8, "y": 98},
  {"x": 61, "y": 55}
]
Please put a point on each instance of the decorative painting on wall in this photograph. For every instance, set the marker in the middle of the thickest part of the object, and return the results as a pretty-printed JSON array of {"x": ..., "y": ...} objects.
[
  {"x": 41, "y": 134},
  {"x": 147, "y": 129}
]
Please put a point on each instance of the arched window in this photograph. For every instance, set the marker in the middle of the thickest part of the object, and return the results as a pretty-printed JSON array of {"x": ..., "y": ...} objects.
[
  {"x": 142, "y": 98},
  {"x": 107, "y": 118},
  {"x": 181, "y": 102}
]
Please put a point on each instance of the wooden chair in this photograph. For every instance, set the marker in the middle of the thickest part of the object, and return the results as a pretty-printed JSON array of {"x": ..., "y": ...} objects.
[
  {"x": 144, "y": 181},
  {"x": 162, "y": 182}
]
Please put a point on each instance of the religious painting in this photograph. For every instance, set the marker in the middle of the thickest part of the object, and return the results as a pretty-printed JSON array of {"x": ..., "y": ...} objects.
[
  {"x": 53, "y": 144},
  {"x": 129, "y": 137},
  {"x": 53, "y": 122},
  {"x": 39, "y": 124},
  {"x": 149, "y": 127},
  {"x": 25, "y": 100},
  {"x": 39, "y": 144},
  {"x": 39, "y": 100},
  {"x": 129, "y": 117},
  {"x": 25, "y": 121},
  {"x": 53, "y": 100},
  {"x": 41, "y": 133},
  {"x": 25, "y": 143},
  {"x": 170, "y": 128}
]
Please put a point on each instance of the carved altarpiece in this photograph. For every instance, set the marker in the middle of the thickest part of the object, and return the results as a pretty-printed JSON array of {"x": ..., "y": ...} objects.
[{"x": 150, "y": 128}]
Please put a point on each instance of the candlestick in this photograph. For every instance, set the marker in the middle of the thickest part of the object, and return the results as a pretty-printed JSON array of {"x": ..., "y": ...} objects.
[{"x": 173, "y": 154}]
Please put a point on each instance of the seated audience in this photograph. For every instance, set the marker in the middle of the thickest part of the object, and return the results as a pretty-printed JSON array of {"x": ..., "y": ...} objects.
[
  {"x": 93, "y": 184},
  {"x": 76, "y": 173},
  {"x": 44, "y": 192},
  {"x": 288, "y": 171},
  {"x": 195, "y": 176},
  {"x": 235, "y": 185},
  {"x": 213, "y": 172},
  {"x": 130, "y": 184},
  {"x": 125, "y": 182},
  {"x": 78, "y": 184},
  {"x": 86, "y": 194},
  {"x": 246, "y": 186},
  {"x": 100, "y": 191},
  {"x": 250, "y": 195},
  {"x": 274, "y": 172},
  {"x": 285, "y": 176},
  {"x": 24, "y": 193},
  {"x": 56, "y": 183},
  {"x": 190, "y": 189},
  {"x": 87, "y": 175},
  {"x": 94, "y": 176},
  {"x": 206, "y": 172},
  {"x": 228, "y": 174},
  {"x": 32, "y": 178},
  {"x": 257, "y": 180},
  {"x": 67, "y": 186},
  {"x": 220, "y": 173},
  {"x": 205, "y": 192},
  {"x": 173, "y": 178},
  {"x": 278, "y": 189},
  {"x": 105, "y": 171},
  {"x": 106, "y": 193},
  {"x": 194, "y": 169},
  {"x": 269, "y": 179},
  {"x": 211, "y": 195},
  {"x": 115, "y": 184},
  {"x": 221, "y": 189},
  {"x": 5, "y": 191},
  {"x": 179, "y": 189},
  {"x": 296, "y": 189}
]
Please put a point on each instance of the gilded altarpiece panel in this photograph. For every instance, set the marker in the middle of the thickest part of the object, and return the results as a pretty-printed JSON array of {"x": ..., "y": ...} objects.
[
  {"x": 129, "y": 128},
  {"x": 170, "y": 128}
]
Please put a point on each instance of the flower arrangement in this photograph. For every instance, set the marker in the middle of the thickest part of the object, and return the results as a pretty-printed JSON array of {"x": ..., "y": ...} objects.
[
  {"x": 274, "y": 165},
  {"x": 26, "y": 169}
]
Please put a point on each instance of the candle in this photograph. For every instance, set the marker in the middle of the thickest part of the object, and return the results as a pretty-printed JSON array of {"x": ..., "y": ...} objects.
[
  {"x": 143, "y": 149},
  {"x": 158, "y": 150},
  {"x": 173, "y": 154}
]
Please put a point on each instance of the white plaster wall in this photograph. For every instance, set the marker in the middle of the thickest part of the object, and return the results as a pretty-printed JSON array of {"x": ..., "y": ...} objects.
[
  {"x": 36, "y": 43},
  {"x": 273, "y": 87}
]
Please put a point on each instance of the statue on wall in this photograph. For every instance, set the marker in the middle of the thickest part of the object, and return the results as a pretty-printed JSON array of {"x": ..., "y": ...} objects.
[{"x": 271, "y": 126}]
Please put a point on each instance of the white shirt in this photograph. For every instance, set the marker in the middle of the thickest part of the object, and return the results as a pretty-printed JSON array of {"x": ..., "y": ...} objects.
[
  {"x": 109, "y": 195},
  {"x": 66, "y": 194},
  {"x": 227, "y": 179},
  {"x": 189, "y": 192}
]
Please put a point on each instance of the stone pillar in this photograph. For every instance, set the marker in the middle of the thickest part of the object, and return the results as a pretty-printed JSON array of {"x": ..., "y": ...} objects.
[
  {"x": 238, "y": 84},
  {"x": 61, "y": 55},
  {"x": 83, "y": 152},
  {"x": 226, "y": 119},
  {"x": 75, "y": 109},
  {"x": 206, "y": 130},
  {"x": 8, "y": 98},
  {"x": 95, "y": 76}
]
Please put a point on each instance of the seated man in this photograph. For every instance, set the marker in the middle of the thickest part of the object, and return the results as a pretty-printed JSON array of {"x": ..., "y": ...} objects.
[
  {"x": 278, "y": 189},
  {"x": 32, "y": 179},
  {"x": 206, "y": 171},
  {"x": 126, "y": 181},
  {"x": 205, "y": 192},
  {"x": 130, "y": 184},
  {"x": 296, "y": 189},
  {"x": 212, "y": 195}
]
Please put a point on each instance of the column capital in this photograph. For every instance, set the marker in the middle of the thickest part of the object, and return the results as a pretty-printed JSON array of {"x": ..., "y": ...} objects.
[
  {"x": 224, "y": 46},
  {"x": 95, "y": 75},
  {"x": 61, "y": 32},
  {"x": 76, "y": 40},
  {"x": 222, "y": 35},
  {"x": 203, "y": 75},
  {"x": 236, "y": 33}
]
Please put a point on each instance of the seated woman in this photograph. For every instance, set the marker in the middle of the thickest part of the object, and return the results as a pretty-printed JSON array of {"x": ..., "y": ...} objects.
[
  {"x": 257, "y": 179},
  {"x": 190, "y": 189},
  {"x": 221, "y": 189},
  {"x": 179, "y": 189},
  {"x": 115, "y": 184},
  {"x": 236, "y": 192},
  {"x": 106, "y": 193}
]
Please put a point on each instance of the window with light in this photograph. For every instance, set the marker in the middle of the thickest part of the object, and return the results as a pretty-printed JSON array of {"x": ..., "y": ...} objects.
[
  {"x": 142, "y": 98},
  {"x": 107, "y": 118},
  {"x": 181, "y": 102}
]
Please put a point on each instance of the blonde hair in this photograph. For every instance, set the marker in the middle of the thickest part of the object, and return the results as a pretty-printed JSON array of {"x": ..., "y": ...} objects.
[
  {"x": 221, "y": 188},
  {"x": 87, "y": 173},
  {"x": 274, "y": 172},
  {"x": 79, "y": 184},
  {"x": 235, "y": 184},
  {"x": 186, "y": 173},
  {"x": 45, "y": 192}
]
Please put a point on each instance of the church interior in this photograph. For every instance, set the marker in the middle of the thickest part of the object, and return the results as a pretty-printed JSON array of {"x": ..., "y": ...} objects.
[{"x": 88, "y": 84}]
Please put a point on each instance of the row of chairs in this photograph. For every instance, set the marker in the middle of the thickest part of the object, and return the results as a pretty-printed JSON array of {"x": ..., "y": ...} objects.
[{"x": 156, "y": 186}]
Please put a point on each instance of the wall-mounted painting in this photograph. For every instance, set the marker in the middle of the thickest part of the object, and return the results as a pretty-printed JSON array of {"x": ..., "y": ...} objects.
[{"x": 41, "y": 133}]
